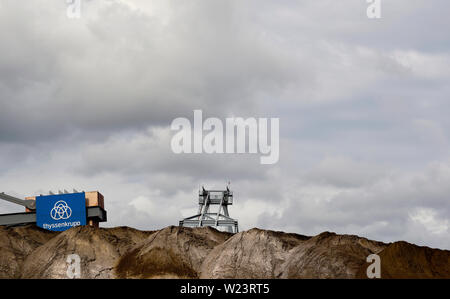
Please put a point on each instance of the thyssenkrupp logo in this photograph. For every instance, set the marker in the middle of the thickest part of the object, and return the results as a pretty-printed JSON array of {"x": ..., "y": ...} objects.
[{"x": 61, "y": 211}]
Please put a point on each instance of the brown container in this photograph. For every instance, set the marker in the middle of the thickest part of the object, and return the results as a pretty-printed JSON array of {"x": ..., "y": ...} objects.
[{"x": 94, "y": 199}]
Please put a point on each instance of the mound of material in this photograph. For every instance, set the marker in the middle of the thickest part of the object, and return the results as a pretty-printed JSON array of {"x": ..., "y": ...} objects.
[
  {"x": 329, "y": 256},
  {"x": 175, "y": 252},
  {"x": 16, "y": 243},
  {"x": 404, "y": 260},
  {"x": 251, "y": 254},
  {"x": 98, "y": 248}
]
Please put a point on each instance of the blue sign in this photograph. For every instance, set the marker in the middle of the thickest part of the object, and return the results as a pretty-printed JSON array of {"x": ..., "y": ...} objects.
[{"x": 60, "y": 212}]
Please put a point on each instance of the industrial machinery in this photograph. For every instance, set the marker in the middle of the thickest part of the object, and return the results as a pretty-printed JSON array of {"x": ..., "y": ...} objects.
[
  {"x": 27, "y": 203},
  {"x": 206, "y": 199},
  {"x": 57, "y": 211}
]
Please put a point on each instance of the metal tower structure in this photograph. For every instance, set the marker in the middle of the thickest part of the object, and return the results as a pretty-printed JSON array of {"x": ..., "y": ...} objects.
[{"x": 204, "y": 217}]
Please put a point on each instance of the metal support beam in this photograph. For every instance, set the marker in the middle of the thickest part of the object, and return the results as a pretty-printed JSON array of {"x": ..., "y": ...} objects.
[{"x": 30, "y": 204}]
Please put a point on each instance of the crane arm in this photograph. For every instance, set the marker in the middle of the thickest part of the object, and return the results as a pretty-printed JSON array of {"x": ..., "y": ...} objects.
[{"x": 28, "y": 203}]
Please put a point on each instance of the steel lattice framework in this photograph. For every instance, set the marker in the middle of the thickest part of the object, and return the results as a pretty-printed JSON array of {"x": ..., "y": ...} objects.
[{"x": 204, "y": 217}]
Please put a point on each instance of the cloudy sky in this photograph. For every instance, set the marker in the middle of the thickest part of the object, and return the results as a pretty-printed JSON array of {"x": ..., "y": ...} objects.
[{"x": 363, "y": 105}]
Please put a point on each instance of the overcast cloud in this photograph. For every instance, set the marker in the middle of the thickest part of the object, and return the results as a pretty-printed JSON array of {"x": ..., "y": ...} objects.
[{"x": 363, "y": 105}]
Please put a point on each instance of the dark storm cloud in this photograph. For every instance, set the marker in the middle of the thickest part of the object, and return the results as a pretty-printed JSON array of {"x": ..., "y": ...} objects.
[
  {"x": 86, "y": 103},
  {"x": 126, "y": 69}
]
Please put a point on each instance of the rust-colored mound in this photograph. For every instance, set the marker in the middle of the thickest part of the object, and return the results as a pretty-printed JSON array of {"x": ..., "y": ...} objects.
[{"x": 402, "y": 260}]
